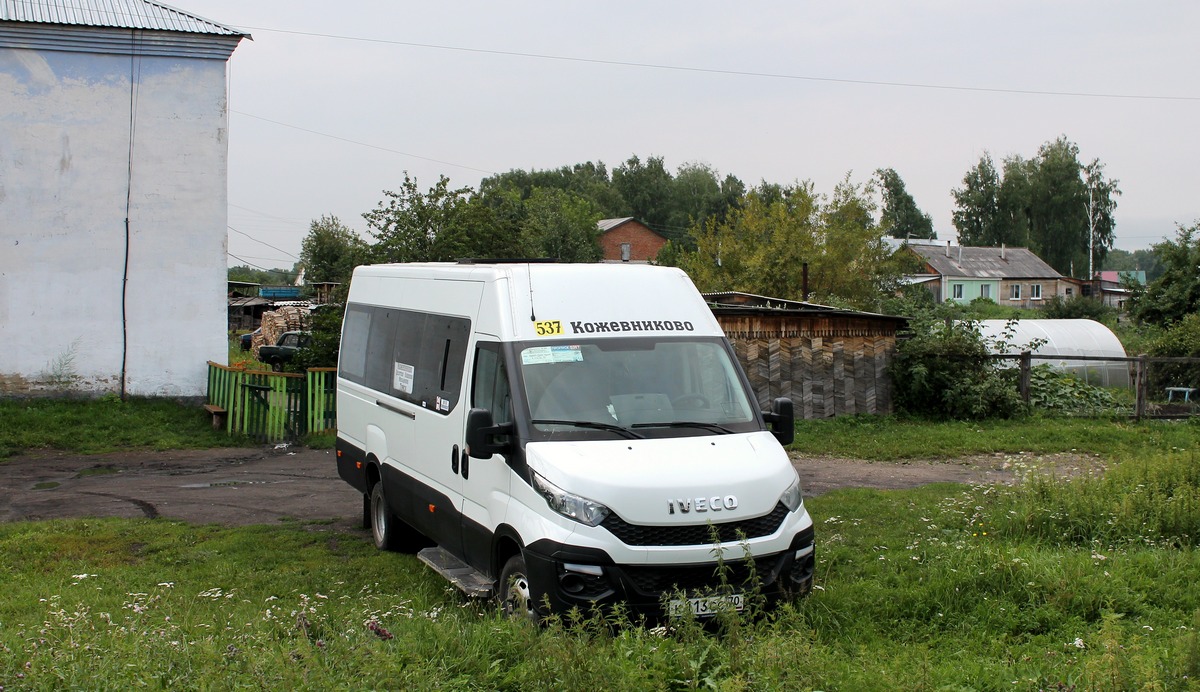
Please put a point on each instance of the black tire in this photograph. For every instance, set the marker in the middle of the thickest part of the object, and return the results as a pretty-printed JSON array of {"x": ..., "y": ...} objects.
[
  {"x": 388, "y": 531},
  {"x": 366, "y": 514},
  {"x": 383, "y": 522},
  {"x": 516, "y": 593}
]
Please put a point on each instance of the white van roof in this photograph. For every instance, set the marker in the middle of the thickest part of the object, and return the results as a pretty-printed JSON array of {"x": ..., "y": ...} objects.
[{"x": 533, "y": 300}]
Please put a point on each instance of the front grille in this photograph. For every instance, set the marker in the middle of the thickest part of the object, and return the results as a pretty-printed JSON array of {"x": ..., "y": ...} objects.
[
  {"x": 687, "y": 578},
  {"x": 695, "y": 534}
]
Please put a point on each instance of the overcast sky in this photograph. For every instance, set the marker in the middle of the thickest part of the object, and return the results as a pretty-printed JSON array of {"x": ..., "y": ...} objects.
[{"x": 332, "y": 102}]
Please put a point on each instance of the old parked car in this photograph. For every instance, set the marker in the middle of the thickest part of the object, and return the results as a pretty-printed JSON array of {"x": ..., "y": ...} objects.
[
  {"x": 284, "y": 348},
  {"x": 248, "y": 338}
]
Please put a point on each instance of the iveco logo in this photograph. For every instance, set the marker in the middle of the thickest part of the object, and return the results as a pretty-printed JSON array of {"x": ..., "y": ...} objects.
[{"x": 715, "y": 503}]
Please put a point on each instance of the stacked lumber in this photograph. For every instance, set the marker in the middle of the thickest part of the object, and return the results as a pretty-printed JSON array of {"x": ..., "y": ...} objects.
[{"x": 290, "y": 318}]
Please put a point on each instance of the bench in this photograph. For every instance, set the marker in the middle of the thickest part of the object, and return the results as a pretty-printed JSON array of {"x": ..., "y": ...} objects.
[
  {"x": 218, "y": 415},
  {"x": 1185, "y": 391}
]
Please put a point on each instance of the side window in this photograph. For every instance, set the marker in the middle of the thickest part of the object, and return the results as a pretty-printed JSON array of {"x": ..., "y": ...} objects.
[
  {"x": 1016, "y": 291},
  {"x": 1035, "y": 291},
  {"x": 490, "y": 389},
  {"x": 958, "y": 291},
  {"x": 410, "y": 355},
  {"x": 985, "y": 291},
  {"x": 352, "y": 356}
]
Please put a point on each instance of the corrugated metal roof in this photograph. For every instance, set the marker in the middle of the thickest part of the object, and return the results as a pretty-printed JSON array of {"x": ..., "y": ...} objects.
[
  {"x": 122, "y": 14},
  {"x": 986, "y": 262},
  {"x": 609, "y": 224}
]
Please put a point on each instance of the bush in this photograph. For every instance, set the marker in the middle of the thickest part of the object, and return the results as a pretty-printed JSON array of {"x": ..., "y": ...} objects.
[
  {"x": 322, "y": 350},
  {"x": 1078, "y": 308},
  {"x": 1181, "y": 339},
  {"x": 942, "y": 369},
  {"x": 1060, "y": 392}
]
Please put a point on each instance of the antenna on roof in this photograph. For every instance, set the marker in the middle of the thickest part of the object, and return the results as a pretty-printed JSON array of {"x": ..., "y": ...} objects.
[{"x": 529, "y": 276}]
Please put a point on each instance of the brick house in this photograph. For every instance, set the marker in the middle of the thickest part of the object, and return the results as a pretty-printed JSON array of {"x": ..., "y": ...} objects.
[{"x": 628, "y": 240}]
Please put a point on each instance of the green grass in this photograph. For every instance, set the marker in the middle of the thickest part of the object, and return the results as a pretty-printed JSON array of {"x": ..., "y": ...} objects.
[
  {"x": 934, "y": 588},
  {"x": 890, "y": 438},
  {"x": 93, "y": 426}
]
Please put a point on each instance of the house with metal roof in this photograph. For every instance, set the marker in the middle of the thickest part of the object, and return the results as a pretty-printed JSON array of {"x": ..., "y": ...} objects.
[
  {"x": 628, "y": 240},
  {"x": 113, "y": 196},
  {"x": 1013, "y": 277}
]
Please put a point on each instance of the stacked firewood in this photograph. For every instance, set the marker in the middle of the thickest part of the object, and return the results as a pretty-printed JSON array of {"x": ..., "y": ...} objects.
[{"x": 289, "y": 318}]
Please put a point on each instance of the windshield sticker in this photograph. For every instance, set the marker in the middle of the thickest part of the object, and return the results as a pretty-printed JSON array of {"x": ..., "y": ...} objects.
[
  {"x": 402, "y": 378},
  {"x": 642, "y": 326},
  {"x": 548, "y": 328},
  {"x": 551, "y": 354}
]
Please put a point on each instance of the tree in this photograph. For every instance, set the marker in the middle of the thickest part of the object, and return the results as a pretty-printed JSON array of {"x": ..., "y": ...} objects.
[
  {"x": 413, "y": 227},
  {"x": 587, "y": 180},
  {"x": 977, "y": 211},
  {"x": 561, "y": 225},
  {"x": 267, "y": 277},
  {"x": 330, "y": 251},
  {"x": 900, "y": 217},
  {"x": 646, "y": 190},
  {"x": 1100, "y": 207},
  {"x": 1176, "y": 293},
  {"x": 1052, "y": 204},
  {"x": 697, "y": 193},
  {"x": 765, "y": 241}
]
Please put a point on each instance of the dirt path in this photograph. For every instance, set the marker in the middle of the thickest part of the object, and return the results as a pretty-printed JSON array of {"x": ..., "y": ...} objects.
[{"x": 269, "y": 485}]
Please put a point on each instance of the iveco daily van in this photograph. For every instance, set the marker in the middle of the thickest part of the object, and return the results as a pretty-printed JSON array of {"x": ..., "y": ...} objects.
[{"x": 566, "y": 435}]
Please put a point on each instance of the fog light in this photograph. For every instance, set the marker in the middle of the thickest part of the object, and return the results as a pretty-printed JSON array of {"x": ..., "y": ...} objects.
[{"x": 571, "y": 583}]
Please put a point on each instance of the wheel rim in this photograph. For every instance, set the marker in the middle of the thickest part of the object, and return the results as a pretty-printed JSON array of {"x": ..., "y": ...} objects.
[
  {"x": 378, "y": 517},
  {"x": 519, "y": 601}
]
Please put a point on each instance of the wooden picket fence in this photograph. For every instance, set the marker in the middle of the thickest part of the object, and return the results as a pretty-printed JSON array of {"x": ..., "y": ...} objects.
[{"x": 271, "y": 406}]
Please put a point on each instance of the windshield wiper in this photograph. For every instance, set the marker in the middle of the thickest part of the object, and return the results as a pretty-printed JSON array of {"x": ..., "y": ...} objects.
[
  {"x": 625, "y": 432},
  {"x": 685, "y": 424}
]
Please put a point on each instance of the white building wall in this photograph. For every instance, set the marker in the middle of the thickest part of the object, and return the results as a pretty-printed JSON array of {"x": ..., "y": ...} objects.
[{"x": 68, "y": 317}]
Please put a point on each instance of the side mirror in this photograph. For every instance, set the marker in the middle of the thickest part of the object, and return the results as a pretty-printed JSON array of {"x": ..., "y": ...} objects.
[
  {"x": 782, "y": 419},
  {"x": 483, "y": 435}
]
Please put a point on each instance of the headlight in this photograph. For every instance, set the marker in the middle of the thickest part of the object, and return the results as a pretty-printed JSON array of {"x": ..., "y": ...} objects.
[
  {"x": 791, "y": 497},
  {"x": 571, "y": 506}
]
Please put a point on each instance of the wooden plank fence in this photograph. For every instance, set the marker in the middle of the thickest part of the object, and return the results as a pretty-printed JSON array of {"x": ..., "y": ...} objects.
[{"x": 271, "y": 406}]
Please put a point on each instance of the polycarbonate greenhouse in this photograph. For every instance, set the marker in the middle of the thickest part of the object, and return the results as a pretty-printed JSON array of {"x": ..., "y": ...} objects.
[{"x": 1062, "y": 340}]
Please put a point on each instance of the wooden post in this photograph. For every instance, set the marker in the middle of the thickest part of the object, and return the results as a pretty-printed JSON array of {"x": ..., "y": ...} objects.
[
  {"x": 1141, "y": 386},
  {"x": 1026, "y": 372}
]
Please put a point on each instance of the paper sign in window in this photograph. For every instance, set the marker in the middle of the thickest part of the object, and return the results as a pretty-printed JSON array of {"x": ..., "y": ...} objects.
[{"x": 402, "y": 378}]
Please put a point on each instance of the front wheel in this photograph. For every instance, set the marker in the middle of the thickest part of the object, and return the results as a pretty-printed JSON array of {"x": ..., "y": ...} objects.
[{"x": 516, "y": 594}]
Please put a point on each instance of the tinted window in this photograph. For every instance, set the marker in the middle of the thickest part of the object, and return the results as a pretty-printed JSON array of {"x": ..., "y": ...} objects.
[{"x": 415, "y": 356}]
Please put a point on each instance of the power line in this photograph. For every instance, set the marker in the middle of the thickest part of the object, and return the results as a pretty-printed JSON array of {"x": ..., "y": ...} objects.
[
  {"x": 736, "y": 73},
  {"x": 255, "y": 266},
  {"x": 363, "y": 144},
  {"x": 261, "y": 242}
]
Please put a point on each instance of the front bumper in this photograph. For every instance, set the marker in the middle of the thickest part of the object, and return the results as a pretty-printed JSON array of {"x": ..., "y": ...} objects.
[{"x": 573, "y": 577}]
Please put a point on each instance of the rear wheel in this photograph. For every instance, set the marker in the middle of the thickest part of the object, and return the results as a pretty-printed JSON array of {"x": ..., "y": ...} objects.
[
  {"x": 516, "y": 594},
  {"x": 389, "y": 531},
  {"x": 384, "y": 524}
]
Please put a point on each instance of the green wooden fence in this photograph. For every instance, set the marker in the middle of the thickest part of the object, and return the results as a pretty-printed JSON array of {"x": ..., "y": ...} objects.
[{"x": 272, "y": 406}]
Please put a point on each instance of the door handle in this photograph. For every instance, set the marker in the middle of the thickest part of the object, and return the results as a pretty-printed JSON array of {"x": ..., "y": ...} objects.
[
  {"x": 466, "y": 464},
  {"x": 454, "y": 459}
]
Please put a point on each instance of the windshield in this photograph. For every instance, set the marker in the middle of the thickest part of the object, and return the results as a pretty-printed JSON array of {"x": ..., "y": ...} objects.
[{"x": 643, "y": 385}]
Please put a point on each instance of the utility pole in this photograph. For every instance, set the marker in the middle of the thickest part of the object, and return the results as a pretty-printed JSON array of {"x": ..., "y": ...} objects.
[{"x": 1091, "y": 212}]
